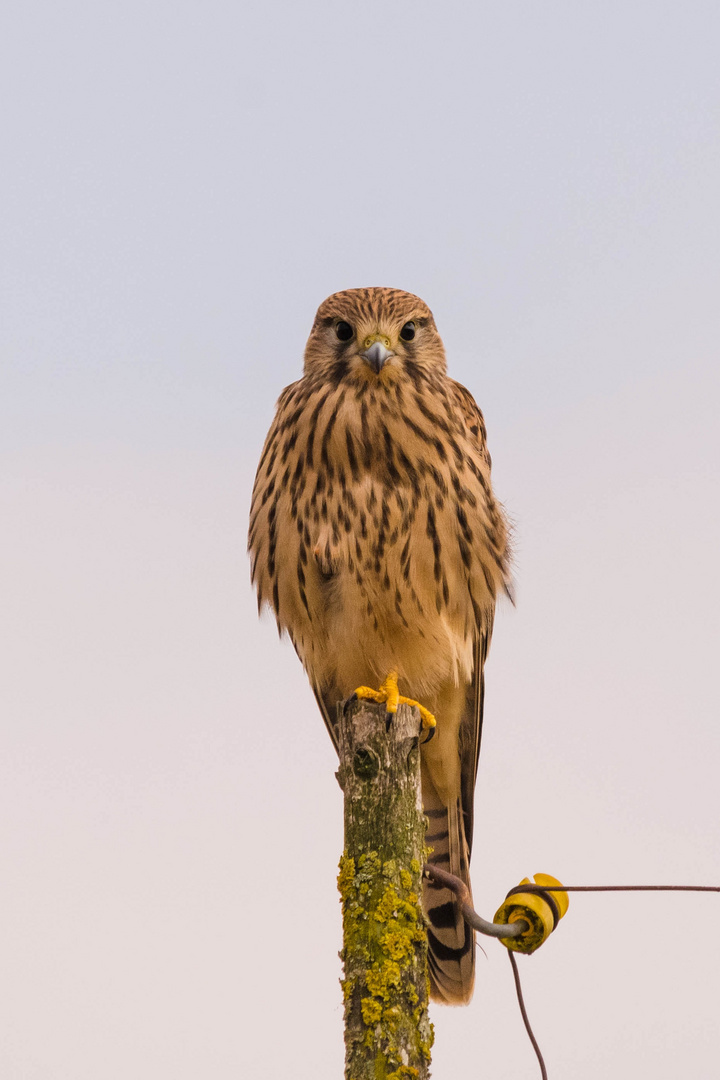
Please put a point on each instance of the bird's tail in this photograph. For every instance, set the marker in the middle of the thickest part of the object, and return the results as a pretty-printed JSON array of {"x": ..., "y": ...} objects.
[{"x": 451, "y": 942}]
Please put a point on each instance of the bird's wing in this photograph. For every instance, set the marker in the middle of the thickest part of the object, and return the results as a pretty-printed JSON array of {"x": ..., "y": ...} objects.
[
  {"x": 471, "y": 728},
  {"x": 327, "y": 698},
  {"x": 496, "y": 562}
]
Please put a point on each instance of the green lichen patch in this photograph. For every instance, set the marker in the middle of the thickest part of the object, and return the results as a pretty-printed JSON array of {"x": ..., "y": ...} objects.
[
  {"x": 371, "y": 1011},
  {"x": 385, "y": 959}
]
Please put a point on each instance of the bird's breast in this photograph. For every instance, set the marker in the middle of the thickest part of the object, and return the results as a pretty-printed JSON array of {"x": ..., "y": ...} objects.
[{"x": 378, "y": 519}]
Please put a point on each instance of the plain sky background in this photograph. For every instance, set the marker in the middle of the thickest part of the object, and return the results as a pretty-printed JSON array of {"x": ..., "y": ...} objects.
[{"x": 181, "y": 185}]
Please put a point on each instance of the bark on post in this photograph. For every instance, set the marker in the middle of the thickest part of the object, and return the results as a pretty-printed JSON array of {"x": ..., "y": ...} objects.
[{"x": 388, "y": 1034}]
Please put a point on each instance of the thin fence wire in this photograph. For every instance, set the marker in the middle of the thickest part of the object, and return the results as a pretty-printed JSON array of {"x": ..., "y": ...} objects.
[{"x": 475, "y": 920}]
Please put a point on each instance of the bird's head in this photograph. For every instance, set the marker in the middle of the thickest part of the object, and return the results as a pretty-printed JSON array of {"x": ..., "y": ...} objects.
[{"x": 371, "y": 335}]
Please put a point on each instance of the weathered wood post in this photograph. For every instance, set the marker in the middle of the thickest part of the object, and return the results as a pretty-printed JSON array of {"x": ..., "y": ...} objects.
[{"x": 388, "y": 1034}]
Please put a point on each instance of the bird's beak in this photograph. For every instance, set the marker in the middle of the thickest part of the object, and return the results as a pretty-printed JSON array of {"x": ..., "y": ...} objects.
[{"x": 376, "y": 355}]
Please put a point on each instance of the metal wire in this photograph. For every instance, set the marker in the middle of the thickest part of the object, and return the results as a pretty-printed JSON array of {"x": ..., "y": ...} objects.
[
  {"x": 523, "y": 1013},
  {"x": 620, "y": 888},
  {"x": 510, "y": 930},
  {"x": 456, "y": 885}
]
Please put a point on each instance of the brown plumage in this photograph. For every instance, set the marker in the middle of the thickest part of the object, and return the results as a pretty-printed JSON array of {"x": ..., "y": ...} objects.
[{"x": 376, "y": 540}]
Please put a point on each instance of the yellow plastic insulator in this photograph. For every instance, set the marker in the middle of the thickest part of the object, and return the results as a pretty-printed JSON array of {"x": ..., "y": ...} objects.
[{"x": 542, "y": 912}]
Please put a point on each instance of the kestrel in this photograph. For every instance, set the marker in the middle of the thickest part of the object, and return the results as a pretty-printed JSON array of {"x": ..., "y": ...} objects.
[{"x": 377, "y": 541}]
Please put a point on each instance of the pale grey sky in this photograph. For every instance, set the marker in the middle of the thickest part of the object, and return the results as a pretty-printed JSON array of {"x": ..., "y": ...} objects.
[{"x": 182, "y": 184}]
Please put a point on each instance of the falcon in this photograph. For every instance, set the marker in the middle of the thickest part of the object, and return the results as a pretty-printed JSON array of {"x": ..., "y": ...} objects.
[{"x": 376, "y": 540}]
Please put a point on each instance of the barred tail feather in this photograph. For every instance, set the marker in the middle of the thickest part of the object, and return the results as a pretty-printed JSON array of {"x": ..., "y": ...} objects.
[{"x": 451, "y": 942}]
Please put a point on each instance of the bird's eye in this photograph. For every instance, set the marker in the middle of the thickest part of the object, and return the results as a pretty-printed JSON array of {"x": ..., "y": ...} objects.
[
  {"x": 408, "y": 331},
  {"x": 344, "y": 331}
]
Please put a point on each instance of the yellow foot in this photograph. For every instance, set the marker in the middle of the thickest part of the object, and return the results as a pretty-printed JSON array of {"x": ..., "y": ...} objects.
[{"x": 389, "y": 693}]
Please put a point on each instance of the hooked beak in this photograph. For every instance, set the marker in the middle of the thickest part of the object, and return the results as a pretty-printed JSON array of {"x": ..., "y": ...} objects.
[{"x": 376, "y": 355}]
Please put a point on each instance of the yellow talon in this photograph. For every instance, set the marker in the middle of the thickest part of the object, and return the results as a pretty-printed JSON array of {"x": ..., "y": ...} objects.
[
  {"x": 389, "y": 693},
  {"x": 426, "y": 716}
]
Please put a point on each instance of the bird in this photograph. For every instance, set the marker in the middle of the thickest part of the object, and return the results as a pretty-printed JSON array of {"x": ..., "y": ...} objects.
[{"x": 377, "y": 541}]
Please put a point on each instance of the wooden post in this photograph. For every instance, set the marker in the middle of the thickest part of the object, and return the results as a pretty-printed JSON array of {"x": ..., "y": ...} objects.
[{"x": 388, "y": 1034}]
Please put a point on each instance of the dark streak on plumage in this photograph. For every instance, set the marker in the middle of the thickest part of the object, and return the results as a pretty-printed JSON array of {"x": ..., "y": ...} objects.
[
  {"x": 444, "y": 915},
  {"x": 352, "y": 459},
  {"x": 446, "y": 952}
]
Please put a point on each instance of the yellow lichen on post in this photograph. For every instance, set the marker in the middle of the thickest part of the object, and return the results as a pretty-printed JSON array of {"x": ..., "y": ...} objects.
[{"x": 388, "y": 1034}]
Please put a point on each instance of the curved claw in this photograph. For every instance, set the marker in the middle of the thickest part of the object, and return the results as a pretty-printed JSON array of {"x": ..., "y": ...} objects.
[
  {"x": 430, "y": 735},
  {"x": 348, "y": 702}
]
